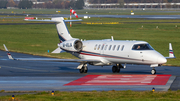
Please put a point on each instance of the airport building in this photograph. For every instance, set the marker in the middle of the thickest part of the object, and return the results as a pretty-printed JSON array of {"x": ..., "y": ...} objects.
[{"x": 134, "y": 5}]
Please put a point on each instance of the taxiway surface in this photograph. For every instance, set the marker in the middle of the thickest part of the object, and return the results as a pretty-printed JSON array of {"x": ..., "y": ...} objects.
[{"x": 48, "y": 76}]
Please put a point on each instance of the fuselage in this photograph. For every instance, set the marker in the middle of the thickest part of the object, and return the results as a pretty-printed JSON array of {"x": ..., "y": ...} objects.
[{"x": 113, "y": 52}]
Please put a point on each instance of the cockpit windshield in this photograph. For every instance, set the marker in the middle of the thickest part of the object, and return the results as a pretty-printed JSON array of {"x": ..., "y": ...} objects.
[{"x": 142, "y": 47}]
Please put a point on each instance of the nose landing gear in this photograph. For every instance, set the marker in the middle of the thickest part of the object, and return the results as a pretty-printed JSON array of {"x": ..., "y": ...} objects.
[{"x": 153, "y": 71}]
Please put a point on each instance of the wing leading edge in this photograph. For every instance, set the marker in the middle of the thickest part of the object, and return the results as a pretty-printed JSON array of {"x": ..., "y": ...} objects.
[{"x": 50, "y": 59}]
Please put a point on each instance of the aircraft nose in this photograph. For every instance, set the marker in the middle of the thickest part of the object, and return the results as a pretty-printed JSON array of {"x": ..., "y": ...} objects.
[{"x": 162, "y": 60}]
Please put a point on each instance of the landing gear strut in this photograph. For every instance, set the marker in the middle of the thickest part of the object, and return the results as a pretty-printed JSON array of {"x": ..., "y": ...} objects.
[
  {"x": 153, "y": 71},
  {"x": 84, "y": 69}
]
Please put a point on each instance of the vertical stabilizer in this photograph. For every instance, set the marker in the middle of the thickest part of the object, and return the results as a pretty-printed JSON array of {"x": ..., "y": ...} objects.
[
  {"x": 171, "y": 53},
  {"x": 62, "y": 30}
]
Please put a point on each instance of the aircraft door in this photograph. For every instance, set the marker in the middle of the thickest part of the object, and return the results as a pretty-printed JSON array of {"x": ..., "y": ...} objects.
[{"x": 137, "y": 55}]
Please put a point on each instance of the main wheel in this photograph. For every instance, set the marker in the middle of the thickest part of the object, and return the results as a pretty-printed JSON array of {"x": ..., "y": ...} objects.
[
  {"x": 118, "y": 69},
  {"x": 114, "y": 69},
  {"x": 84, "y": 69},
  {"x": 81, "y": 70},
  {"x": 153, "y": 71}
]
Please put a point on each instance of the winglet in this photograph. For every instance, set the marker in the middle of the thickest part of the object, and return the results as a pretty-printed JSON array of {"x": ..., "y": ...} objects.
[
  {"x": 8, "y": 53},
  {"x": 171, "y": 53}
]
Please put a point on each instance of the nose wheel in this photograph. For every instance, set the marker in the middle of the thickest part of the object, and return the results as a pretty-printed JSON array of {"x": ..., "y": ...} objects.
[{"x": 153, "y": 71}]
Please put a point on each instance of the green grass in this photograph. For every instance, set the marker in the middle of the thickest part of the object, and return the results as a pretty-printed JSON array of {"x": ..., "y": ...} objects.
[
  {"x": 130, "y": 20},
  {"x": 93, "y": 12},
  {"x": 37, "y": 39},
  {"x": 99, "y": 96}
]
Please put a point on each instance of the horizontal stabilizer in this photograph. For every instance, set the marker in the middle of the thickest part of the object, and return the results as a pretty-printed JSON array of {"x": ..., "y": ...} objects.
[
  {"x": 58, "y": 19},
  {"x": 58, "y": 50}
]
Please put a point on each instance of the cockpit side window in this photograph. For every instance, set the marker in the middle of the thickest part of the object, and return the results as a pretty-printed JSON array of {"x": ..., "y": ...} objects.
[{"x": 142, "y": 47}]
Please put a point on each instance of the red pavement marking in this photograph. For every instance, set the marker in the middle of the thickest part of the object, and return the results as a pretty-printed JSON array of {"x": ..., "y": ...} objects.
[{"x": 97, "y": 80}]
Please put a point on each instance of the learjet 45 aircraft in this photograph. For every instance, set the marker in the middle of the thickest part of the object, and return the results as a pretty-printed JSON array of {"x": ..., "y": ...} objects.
[{"x": 102, "y": 52}]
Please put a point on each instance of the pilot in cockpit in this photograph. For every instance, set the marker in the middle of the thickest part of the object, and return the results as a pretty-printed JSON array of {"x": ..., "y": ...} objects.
[{"x": 138, "y": 47}]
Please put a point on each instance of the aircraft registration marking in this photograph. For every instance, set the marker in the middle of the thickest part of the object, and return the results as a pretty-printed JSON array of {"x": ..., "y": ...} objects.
[{"x": 96, "y": 80}]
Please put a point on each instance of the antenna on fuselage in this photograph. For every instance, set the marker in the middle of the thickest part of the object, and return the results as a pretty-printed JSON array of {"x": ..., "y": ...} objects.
[{"x": 112, "y": 39}]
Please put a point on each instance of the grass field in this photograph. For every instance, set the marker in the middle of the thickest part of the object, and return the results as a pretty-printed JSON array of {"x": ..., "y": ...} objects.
[{"x": 99, "y": 96}]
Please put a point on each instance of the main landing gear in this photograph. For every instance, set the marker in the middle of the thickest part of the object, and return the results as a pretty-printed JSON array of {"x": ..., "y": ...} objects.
[
  {"x": 153, "y": 71},
  {"x": 84, "y": 69},
  {"x": 116, "y": 69}
]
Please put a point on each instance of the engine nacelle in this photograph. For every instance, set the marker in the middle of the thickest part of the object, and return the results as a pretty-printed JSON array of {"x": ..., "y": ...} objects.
[{"x": 74, "y": 45}]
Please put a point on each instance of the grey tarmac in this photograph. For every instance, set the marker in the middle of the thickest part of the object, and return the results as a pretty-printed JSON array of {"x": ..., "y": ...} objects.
[{"x": 48, "y": 76}]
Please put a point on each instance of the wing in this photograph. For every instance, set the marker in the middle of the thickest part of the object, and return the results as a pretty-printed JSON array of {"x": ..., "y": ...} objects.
[{"x": 50, "y": 59}]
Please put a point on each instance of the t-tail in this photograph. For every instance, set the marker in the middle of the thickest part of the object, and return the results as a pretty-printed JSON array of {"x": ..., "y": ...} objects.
[{"x": 62, "y": 30}]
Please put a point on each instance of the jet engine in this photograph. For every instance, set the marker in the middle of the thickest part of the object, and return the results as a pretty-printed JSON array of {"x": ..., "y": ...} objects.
[{"x": 74, "y": 45}]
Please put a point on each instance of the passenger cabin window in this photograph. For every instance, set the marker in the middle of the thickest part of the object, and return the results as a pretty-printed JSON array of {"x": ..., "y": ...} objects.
[
  {"x": 114, "y": 47},
  {"x": 105, "y": 47},
  {"x": 95, "y": 47},
  {"x": 122, "y": 48},
  {"x": 142, "y": 47},
  {"x": 99, "y": 47},
  {"x": 102, "y": 47},
  {"x": 110, "y": 47},
  {"x": 118, "y": 47}
]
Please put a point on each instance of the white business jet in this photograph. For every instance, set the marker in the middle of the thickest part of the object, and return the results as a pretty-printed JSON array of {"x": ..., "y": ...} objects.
[{"x": 102, "y": 52}]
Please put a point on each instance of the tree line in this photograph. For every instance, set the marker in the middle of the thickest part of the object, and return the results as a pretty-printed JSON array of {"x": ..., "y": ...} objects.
[
  {"x": 75, "y": 4},
  {"x": 59, "y": 4}
]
